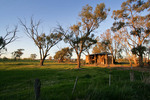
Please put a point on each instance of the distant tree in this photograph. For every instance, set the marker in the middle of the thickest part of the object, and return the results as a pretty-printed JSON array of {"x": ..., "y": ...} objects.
[
  {"x": 50, "y": 58},
  {"x": 98, "y": 48},
  {"x": 131, "y": 17},
  {"x": 9, "y": 37},
  {"x": 104, "y": 43},
  {"x": 18, "y": 53},
  {"x": 33, "y": 56},
  {"x": 63, "y": 54},
  {"x": 5, "y": 58},
  {"x": 80, "y": 36},
  {"x": 42, "y": 41}
]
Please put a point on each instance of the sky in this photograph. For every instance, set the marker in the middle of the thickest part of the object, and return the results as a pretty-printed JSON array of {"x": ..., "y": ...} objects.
[{"x": 52, "y": 13}]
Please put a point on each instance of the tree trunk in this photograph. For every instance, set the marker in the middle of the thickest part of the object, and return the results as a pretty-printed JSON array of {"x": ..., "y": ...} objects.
[
  {"x": 141, "y": 60},
  {"x": 78, "y": 61},
  {"x": 130, "y": 61},
  {"x": 134, "y": 59},
  {"x": 41, "y": 62}
]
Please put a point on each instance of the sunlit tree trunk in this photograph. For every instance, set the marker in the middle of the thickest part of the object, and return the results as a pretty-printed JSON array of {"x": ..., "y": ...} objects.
[
  {"x": 41, "y": 62},
  {"x": 134, "y": 59}
]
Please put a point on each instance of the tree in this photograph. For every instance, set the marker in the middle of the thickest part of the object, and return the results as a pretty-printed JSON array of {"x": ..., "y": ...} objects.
[
  {"x": 33, "y": 56},
  {"x": 131, "y": 17},
  {"x": 9, "y": 37},
  {"x": 108, "y": 44},
  {"x": 42, "y": 41},
  {"x": 80, "y": 36},
  {"x": 127, "y": 41},
  {"x": 50, "y": 58},
  {"x": 104, "y": 44},
  {"x": 18, "y": 53},
  {"x": 63, "y": 54}
]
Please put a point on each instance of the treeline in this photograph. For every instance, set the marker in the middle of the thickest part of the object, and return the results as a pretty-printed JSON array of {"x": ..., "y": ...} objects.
[{"x": 129, "y": 34}]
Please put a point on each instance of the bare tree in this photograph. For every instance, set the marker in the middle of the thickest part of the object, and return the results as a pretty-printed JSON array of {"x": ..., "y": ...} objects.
[
  {"x": 7, "y": 39},
  {"x": 80, "y": 36},
  {"x": 42, "y": 41}
]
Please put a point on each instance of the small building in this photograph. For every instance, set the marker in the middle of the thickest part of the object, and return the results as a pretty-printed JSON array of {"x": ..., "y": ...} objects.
[{"x": 99, "y": 58}]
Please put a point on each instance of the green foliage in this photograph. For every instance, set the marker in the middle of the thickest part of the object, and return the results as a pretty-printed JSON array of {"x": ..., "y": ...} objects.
[
  {"x": 63, "y": 54},
  {"x": 44, "y": 41},
  {"x": 2, "y": 45},
  {"x": 2, "y": 42},
  {"x": 138, "y": 50}
]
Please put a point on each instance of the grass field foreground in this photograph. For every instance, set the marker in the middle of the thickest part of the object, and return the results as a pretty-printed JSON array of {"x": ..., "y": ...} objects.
[{"x": 57, "y": 82}]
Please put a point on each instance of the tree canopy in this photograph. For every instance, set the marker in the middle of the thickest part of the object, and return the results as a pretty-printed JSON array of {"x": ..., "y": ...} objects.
[{"x": 63, "y": 54}]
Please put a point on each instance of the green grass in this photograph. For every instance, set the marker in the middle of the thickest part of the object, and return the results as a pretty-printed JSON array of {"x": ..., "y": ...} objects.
[{"x": 17, "y": 82}]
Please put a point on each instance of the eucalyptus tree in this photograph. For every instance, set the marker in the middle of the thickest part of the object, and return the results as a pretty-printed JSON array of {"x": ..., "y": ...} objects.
[
  {"x": 132, "y": 16},
  {"x": 33, "y": 56},
  {"x": 18, "y": 53},
  {"x": 43, "y": 41},
  {"x": 65, "y": 53},
  {"x": 81, "y": 35}
]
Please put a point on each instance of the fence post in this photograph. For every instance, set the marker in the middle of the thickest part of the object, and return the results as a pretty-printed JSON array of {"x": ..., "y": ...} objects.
[
  {"x": 109, "y": 75},
  {"x": 109, "y": 79},
  {"x": 37, "y": 87},
  {"x": 131, "y": 74},
  {"x": 75, "y": 85}
]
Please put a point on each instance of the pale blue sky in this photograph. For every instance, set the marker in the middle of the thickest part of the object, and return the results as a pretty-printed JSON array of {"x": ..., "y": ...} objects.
[{"x": 51, "y": 12}]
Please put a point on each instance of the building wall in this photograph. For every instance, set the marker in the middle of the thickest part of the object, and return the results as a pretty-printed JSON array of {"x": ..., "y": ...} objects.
[
  {"x": 99, "y": 59},
  {"x": 87, "y": 59}
]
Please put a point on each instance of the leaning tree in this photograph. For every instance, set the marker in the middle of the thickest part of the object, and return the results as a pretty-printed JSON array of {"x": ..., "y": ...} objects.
[
  {"x": 134, "y": 15},
  {"x": 42, "y": 41},
  {"x": 81, "y": 35}
]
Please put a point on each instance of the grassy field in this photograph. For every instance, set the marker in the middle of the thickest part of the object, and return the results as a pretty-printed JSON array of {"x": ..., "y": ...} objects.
[{"x": 57, "y": 82}]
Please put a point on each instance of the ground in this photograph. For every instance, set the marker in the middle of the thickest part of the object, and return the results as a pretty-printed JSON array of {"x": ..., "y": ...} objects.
[{"x": 57, "y": 79}]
